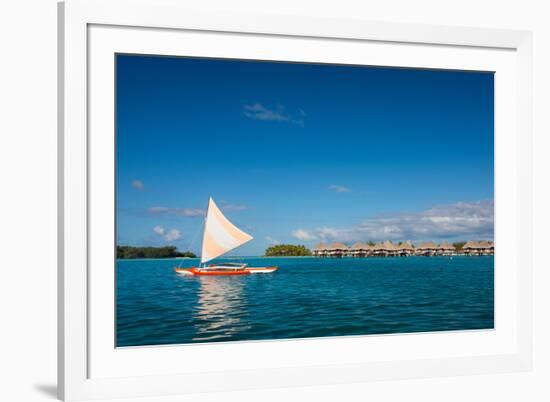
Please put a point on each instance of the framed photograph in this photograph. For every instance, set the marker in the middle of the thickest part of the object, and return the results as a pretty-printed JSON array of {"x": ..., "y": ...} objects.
[{"x": 254, "y": 201}]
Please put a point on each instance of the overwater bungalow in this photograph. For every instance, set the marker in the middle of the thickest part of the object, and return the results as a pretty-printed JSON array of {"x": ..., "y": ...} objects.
[
  {"x": 388, "y": 249},
  {"x": 360, "y": 250},
  {"x": 385, "y": 249},
  {"x": 483, "y": 247},
  {"x": 471, "y": 248},
  {"x": 405, "y": 249},
  {"x": 426, "y": 249},
  {"x": 379, "y": 250},
  {"x": 445, "y": 248},
  {"x": 320, "y": 250},
  {"x": 337, "y": 250},
  {"x": 486, "y": 247},
  {"x": 391, "y": 248}
]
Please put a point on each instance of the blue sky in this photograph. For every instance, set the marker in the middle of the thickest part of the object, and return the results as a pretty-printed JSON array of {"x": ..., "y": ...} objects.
[{"x": 301, "y": 153}]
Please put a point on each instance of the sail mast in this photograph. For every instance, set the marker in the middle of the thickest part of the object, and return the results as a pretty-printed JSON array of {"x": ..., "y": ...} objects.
[{"x": 220, "y": 235}]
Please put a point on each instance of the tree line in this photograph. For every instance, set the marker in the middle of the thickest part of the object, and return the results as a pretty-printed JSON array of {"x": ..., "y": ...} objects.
[
  {"x": 288, "y": 250},
  {"x": 129, "y": 252}
]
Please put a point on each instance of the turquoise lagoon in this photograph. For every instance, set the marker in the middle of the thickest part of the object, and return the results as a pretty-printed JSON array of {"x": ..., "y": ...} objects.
[{"x": 306, "y": 297}]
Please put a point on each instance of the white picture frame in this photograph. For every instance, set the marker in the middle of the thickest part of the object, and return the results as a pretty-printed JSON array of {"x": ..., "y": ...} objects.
[{"x": 89, "y": 367}]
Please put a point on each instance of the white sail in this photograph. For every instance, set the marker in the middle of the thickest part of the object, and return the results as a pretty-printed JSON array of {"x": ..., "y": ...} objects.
[{"x": 220, "y": 235}]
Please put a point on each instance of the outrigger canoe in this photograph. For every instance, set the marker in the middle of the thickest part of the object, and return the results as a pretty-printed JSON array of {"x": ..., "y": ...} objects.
[
  {"x": 229, "y": 269},
  {"x": 221, "y": 236}
]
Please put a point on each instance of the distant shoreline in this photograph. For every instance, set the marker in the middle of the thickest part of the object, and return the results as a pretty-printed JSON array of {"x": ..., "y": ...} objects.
[
  {"x": 137, "y": 252},
  {"x": 226, "y": 258}
]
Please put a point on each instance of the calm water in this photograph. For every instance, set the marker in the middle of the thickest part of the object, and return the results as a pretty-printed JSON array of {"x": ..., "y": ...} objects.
[{"x": 306, "y": 297}]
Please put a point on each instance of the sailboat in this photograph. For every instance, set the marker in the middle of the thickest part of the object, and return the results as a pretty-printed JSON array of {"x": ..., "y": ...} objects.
[{"x": 221, "y": 236}]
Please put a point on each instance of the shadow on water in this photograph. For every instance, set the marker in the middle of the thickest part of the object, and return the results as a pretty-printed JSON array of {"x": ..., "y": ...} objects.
[{"x": 49, "y": 390}]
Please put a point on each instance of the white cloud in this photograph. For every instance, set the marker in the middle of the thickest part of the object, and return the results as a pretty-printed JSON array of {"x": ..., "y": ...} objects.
[
  {"x": 159, "y": 230},
  {"x": 188, "y": 212},
  {"x": 171, "y": 235},
  {"x": 458, "y": 221},
  {"x": 258, "y": 111},
  {"x": 303, "y": 235},
  {"x": 339, "y": 189},
  {"x": 193, "y": 212},
  {"x": 158, "y": 210},
  {"x": 138, "y": 185},
  {"x": 325, "y": 232},
  {"x": 272, "y": 241}
]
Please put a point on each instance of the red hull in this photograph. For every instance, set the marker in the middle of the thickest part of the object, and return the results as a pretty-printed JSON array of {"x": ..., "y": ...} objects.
[
  {"x": 225, "y": 272},
  {"x": 196, "y": 271}
]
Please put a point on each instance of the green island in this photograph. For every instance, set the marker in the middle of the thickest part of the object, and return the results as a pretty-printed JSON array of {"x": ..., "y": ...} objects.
[
  {"x": 287, "y": 250},
  {"x": 129, "y": 252}
]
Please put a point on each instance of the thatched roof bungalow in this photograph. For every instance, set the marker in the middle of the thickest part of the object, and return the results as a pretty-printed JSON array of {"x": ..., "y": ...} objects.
[
  {"x": 469, "y": 245},
  {"x": 428, "y": 248},
  {"x": 379, "y": 249},
  {"x": 405, "y": 249},
  {"x": 338, "y": 246},
  {"x": 387, "y": 249},
  {"x": 320, "y": 249},
  {"x": 359, "y": 249},
  {"x": 358, "y": 246},
  {"x": 430, "y": 245},
  {"x": 337, "y": 249},
  {"x": 446, "y": 248},
  {"x": 486, "y": 247},
  {"x": 384, "y": 249},
  {"x": 483, "y": 247},
  {"x": 471, "y": 248},
  {"x": 390, "y": 247}
]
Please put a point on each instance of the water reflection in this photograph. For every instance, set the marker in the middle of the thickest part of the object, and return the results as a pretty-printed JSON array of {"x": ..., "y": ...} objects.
[{"x": 220, "y": 309}]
